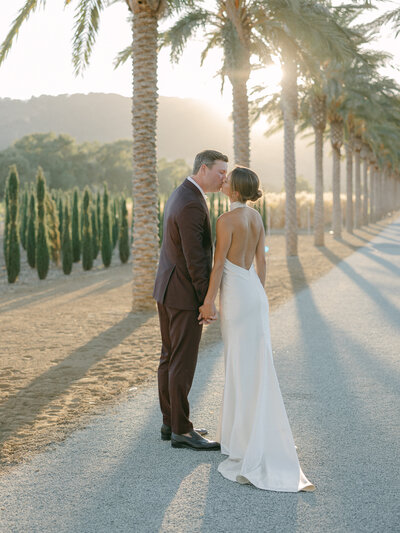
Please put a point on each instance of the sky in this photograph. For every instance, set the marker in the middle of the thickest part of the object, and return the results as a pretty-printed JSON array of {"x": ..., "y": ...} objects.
[{"x": 40, "y": 59}]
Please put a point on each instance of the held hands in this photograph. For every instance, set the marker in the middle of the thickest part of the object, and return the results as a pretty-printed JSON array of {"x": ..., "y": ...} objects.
[{"x": 207, "y": 313}]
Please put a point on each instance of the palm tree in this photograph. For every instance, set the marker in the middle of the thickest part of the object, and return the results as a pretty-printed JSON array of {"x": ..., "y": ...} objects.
[
  {"x": 336, "y": 135},
  {"x": 238, "y": 45},
  {"x": 298, "y": 32},
  {"x": 380, "y": 114},
  {"x": 145, "y": 15}
]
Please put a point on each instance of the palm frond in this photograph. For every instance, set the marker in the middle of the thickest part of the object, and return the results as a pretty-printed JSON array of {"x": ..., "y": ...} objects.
[
  {"x": 123, "y": 56},
  {"x": 86, "y": 27},
  {"x": 213, "y": 42},
  {"x": 23, "y": 15},
  {"x": 185, "y": 28},
  {"x": 391, "y": 17}
]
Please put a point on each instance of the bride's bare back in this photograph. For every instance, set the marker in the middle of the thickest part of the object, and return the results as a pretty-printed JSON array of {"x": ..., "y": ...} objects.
[
  {"x": 240, "y": 235},
  {"x": 246, "y": 230}
]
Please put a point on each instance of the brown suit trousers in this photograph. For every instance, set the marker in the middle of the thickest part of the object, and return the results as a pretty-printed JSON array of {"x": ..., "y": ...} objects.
[{"x": 180, "y": 287}]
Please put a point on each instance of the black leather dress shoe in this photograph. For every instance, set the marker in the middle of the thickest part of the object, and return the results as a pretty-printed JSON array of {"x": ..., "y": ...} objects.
[
  {"x": 195, "y": 441},
  {"x": 166, "y": 432}
]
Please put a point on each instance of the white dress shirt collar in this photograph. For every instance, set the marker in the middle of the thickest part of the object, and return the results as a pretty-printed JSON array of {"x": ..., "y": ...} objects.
[{"x": 197, "y": 185}]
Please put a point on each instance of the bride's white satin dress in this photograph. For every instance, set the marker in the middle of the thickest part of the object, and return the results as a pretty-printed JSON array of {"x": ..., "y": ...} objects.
[{"x": 254, "y": 429}]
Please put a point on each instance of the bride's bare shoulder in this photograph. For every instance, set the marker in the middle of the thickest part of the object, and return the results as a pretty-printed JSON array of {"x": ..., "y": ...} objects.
[
  {"x": 225, "y": 220},
  {"x": 225, "y": 216}
]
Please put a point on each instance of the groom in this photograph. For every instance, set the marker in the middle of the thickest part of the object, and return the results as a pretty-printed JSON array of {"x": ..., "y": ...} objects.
[{"x": 180, "y": 288}]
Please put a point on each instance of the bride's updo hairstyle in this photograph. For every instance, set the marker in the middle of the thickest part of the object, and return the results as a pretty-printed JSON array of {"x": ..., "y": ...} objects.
[{"x": 246, "y": 183}]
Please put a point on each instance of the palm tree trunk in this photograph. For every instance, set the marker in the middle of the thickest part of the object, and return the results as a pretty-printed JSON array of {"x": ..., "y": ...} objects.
[
  {"x": 357, "y": 172},
  {"x": 383, "y": 192},
  {"x": 349, "y": 186},
  {"x": 145, "y": 186},
  {"x": 364, "y": 154},
  {"x": 336, "y": 141},
  {"x": 379, "y": 184},
  {"x": 289, "y": 109},
  {"x": 318, "y": 119},
  {"x": 319, "y": 189},
  {"x": 372, "y": 191},
  {"x": 240, "y": 115}
]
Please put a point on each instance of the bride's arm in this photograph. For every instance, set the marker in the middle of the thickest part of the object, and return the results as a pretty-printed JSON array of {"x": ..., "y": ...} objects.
[
  {"x": 224, "y": 239},
  {"x": 261, "y": 264}
]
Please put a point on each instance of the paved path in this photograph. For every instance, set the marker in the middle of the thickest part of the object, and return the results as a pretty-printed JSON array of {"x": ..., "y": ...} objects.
[{"x": 336, "y": 348}]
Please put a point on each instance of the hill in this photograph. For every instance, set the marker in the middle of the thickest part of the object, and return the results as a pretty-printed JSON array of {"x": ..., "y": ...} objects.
[{"x": 184, "y": 128}]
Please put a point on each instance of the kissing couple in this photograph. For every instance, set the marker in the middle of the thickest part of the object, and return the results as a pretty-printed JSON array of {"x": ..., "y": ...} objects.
[{"x": 254, "y": 430}]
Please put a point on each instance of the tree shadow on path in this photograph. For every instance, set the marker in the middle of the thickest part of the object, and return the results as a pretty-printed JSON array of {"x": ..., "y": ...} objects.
[
  {"x": 65, "y": 373},
  {"x": 342, "y": 414}
]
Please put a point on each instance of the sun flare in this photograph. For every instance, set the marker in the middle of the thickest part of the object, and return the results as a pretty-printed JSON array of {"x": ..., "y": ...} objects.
[{"x": 268, "y": 77}]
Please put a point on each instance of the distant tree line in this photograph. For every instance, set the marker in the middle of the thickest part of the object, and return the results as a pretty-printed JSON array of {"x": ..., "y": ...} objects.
[{"x": 67, "y": 164}]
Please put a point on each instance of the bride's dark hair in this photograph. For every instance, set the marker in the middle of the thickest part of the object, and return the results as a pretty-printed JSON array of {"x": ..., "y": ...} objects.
[{"x": 246, "y": 183}]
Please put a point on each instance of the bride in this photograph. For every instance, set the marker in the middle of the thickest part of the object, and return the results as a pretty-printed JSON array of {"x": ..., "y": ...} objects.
[{"x": 254, "y": 430}]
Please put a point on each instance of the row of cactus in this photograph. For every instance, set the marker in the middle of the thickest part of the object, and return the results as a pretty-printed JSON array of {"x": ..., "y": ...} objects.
[{"x": 47, "y": 228}]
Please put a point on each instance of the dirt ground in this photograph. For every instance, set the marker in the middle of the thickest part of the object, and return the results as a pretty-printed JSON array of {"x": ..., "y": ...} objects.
[{"x": 70, "y": 345}]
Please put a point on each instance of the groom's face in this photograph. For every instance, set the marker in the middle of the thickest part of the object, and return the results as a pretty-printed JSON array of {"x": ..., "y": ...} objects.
[{"x": 214, "y": 176}]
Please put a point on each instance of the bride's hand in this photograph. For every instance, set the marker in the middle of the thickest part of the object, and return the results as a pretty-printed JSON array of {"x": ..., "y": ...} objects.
[{"x": 207, "y": 314}]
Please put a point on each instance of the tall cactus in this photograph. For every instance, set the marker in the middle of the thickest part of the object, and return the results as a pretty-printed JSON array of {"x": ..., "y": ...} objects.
[
  {"x": 13, "y": 253},
  {"x": 31, "y": 235},
  {"x": 24, "y": 218},
  {"x": 6, "y": 222},
  {"x": 213, "y": 217},
  {"x": 87, "y": 244},
  {"x": 42, "y": 250},
  {"x": 60, "y": 208},
  {"x": 123, "y": 243},
  {"x": 115, "y": 222},
  {"x": 52, "y": 224},
  {"x": 160, "y": 221},
  {"x": 220, "y": 206},
  {"x": 95, "y": 232},
  {"x": 98, "y": 213},
  {"x": 66, "y": 249},
  {"x": 76, "y": 228},
  {"x": 106, "y": 245},
  {"x": 264, "y": 213}
]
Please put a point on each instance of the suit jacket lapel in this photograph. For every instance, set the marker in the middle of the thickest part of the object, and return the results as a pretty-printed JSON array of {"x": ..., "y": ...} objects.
[{"x": 193, "y": 187}]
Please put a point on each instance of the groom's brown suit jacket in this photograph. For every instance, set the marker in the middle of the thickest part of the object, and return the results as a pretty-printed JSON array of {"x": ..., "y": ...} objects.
[{"x": 186, "y": 252}]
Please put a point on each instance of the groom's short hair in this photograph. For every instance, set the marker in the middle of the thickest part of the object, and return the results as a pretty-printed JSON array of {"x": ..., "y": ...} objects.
[{"x": 207, "y": 157}]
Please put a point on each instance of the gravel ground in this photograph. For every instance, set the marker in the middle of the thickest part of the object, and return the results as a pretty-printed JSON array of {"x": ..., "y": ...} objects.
[{"x": 336, "y": 347}]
